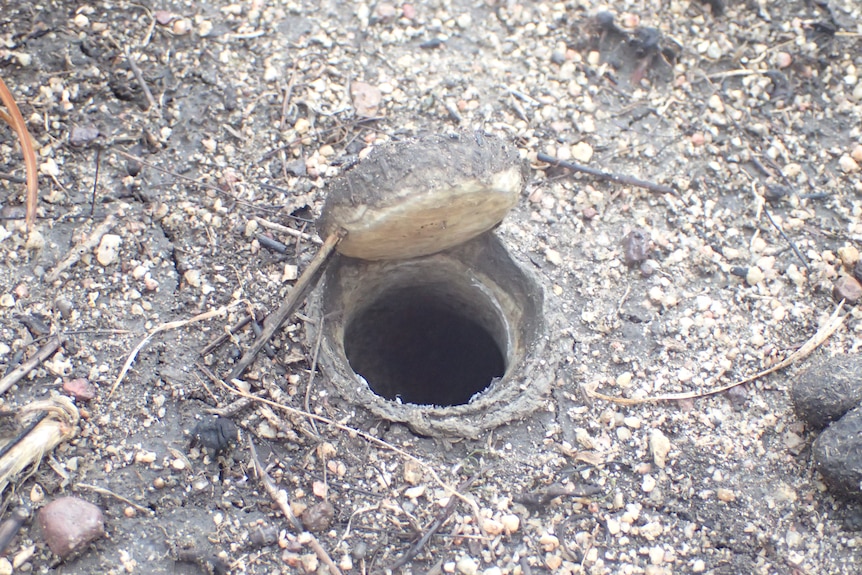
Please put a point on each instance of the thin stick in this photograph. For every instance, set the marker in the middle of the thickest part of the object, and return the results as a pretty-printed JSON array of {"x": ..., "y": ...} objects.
[
  {"x": 19, "y": 372},
  {"x": 289, "y": 231},
  {"x": 442, "y": 517},
  {"x": 95, "y": 181},
  {"x": 214, "y": 344},
  {"x": 280, "y": 498},
  {"x": 166, "y": 327},
  {"x": 140, "y": 78},
  {"x": 303, "y": 285},
  {"x": 831, "y": 326},
  {"x": 618, "y": 178},
  {"x": 151, "y": 165},
  {"x": 368, "y": 437},
  {"x": 117, "y": 496},
  {"x": 88, "y": 244},
  {"x": 16, "y": 120}
]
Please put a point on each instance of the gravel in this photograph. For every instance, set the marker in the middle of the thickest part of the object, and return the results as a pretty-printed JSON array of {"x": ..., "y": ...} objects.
[{"x": 753, "y": 116}]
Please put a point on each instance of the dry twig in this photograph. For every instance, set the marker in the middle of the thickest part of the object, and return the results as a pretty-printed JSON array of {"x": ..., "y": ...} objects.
[
  {"x": 166, "y": 327},
  {"x": 280, "y": 498},
  {"x": 44, "y": 353},
  {"x": 16, "y": 121},
  {"x": 826, "y": 330},
  {"x": 88, "y": 244}
]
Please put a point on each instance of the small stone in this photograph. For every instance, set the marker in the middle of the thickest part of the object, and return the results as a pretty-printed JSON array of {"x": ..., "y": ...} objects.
[
  {"x": 856, "y": 154},
  {"x": 716, "y": 104},
  {"x": 725, "y": 495},
  {"x": 69, "y": 524},
  {"x": 849, "y": 256},
  {"x": 699, "y": 566},
  {"x": 659, "y": 446},
  {"x": 366, "y": 98},
  {"x": 318, "y": 517},
  {"x": 553, "y": 257},
  {"x": 847, "y": 288},
  {"x": 182, "y": 26},
  {"x": 783, "y": 60},
  {"x": 80, "y": 389},
  {"x": 467, "y": 566},
  {"x": 7, "y": 300},
  {"x": 511, "y": 523},
  {"x": 193, "y": 278},
  {"x": 81, "y": 135},
  {"x": 754, "y": 276},
  {"x": 492, "y": 527},
  {"x": 582, "y": 152},
  {"x": 636, "y": 246},
  {"x": 205, "y": 28},
  {"x": 109, "y": 249},
  {"x": 656, "y": 555},
  {"x": 847, "y": 164},
  {"x": 649, "y": 483},
  {"x": 549, "y": 542},
  {"x": 81, "y": 21}
]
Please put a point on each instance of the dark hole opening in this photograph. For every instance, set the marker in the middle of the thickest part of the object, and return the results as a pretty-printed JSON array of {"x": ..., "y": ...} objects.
[{"x": 424, "y": 345}]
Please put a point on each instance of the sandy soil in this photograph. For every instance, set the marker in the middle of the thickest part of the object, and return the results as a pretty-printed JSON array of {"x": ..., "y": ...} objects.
[{"x": 188, "y": 126}]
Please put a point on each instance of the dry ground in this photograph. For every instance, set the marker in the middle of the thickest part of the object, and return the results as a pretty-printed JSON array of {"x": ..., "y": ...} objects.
[{"x": 252, "y": 106}]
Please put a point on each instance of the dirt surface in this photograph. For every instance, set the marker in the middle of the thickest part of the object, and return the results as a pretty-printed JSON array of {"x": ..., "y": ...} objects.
[{"x": 242, "y": 112}]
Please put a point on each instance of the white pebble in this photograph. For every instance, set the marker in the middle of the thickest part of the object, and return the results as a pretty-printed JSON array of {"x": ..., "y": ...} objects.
[{"x": 108, "y": 249}]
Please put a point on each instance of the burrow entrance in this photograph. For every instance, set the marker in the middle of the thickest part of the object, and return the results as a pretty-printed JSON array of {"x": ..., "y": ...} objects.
[
  {"x": 450, "y": 344},
  {"x": 427, "y": 344}
]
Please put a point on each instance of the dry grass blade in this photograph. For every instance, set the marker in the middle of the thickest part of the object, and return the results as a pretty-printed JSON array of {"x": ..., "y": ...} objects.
[
  {"x": 835, "y": 321},
  {"x": 59, "y": 424},
  {"x": 16, "y": 120}
]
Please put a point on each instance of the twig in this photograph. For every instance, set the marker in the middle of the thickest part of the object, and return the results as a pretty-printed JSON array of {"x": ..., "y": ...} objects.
[
  {"x": 12, "y": 178},
  {"x": 289, "y": 231},
  {"x": 214, "y": 344},
  {"x": 787, "y": 239},
  {"x": 151, "y": 165},
  {"x": 441, "y": 518},
  {"x": 618, "y": 178},
  {"x": 11, "y": 526},
  {"x": 275, "y": 320},
  {"x": 95, "y": 181},
  {"x": 826, "y": 330},
  {"x": 44, "y": 353},
  {"x": 166, "y": 327},
  {"x": 88, "y": 244},
  {"x": 280, "y": 498},
  {"x": 117, "y": 496},
  {"x": 368, "y": 437},
  {"x": 140, "y": 78},
  {"x": 16, "y": 120}
]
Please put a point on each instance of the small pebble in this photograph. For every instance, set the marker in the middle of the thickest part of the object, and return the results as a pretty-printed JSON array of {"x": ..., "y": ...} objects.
[
  {"x": 636, "y": 246},
  {"x": 847, "y": 288},
  {"x": 318, "y": 517},
  {"x": 754, "y": 276},
  {"x": 847, "y": 164},
  {"x": 467, "y": 566},
  {"x": 582, "y": 152},
  {"x": 80, "y": 389},
  {"x": 109, "y": 249},
  {"x": 659, "y": 446},
  {"x": 69, "y": 524}
]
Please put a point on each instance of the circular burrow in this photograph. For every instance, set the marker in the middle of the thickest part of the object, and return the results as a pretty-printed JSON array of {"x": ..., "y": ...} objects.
[
  {"x": 449, "y": 344},
  {"x": 427, "y": 342}
]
